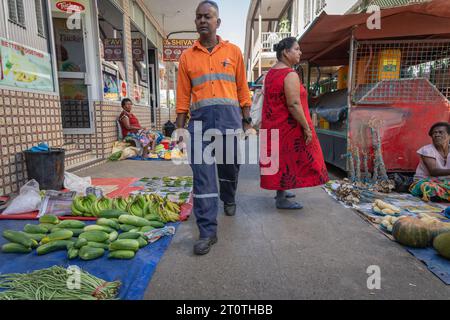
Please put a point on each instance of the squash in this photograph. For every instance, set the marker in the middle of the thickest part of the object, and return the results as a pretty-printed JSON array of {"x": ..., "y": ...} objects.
[
  {"x": 437, "y": 227},
  {"x": 442, "y": 244},
  {"x": 412, "y": 232}
]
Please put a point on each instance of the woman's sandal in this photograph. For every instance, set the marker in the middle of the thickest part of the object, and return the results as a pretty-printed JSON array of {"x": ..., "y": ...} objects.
[{"x": 291, "y": 206}]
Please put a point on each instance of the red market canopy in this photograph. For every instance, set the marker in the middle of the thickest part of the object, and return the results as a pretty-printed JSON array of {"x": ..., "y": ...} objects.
[{"x": 327, "y": 41}]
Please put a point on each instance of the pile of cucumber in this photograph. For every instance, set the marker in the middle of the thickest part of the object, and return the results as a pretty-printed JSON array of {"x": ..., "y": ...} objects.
[{"x": 116, "y": 231}]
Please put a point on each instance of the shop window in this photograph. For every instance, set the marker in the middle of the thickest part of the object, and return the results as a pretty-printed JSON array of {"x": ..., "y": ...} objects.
[
  {"x": 16, "y": 12},
  {"x": 39, "y": 17},
  {"x": 140, "y": 67},
  {"x": 112, "y": 52},
  {"x": 69, "y": 46}
]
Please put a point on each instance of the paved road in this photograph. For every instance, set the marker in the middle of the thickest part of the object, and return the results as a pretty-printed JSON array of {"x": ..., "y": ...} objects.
[{"x": 321, "y": 252}]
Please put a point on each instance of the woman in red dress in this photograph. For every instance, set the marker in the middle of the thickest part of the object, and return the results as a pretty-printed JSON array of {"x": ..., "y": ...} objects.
[
  {"x": 299, "y": 156},
  {"x": 128, "y": 121}
]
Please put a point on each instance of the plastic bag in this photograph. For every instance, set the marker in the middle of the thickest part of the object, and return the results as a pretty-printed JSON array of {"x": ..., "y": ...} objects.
[
  {"x": 76, "y": 183},
  {"x": 27, "y": 201},
  {"x": 119, "y": 146},
  {"x": 129, "y": 152},
  {"x": 256, "y": 109},
  {"x": 402, "y": 182}
]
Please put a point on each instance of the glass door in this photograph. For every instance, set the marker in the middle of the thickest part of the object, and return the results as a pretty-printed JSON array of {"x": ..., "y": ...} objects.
[{"x": 76, "y": 109}]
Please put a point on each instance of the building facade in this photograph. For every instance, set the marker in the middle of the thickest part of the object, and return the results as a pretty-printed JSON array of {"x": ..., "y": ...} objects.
[
  {"x": 269, "y": 21},
  {"x": 65, "y": 66}
]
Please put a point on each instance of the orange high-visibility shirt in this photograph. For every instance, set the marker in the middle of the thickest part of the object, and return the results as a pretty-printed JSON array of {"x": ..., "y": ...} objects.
[{"x": 208, "y": 79}]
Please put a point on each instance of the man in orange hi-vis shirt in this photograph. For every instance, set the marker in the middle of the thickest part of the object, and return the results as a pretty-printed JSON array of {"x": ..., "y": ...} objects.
[{"x": 212, "y": 87}]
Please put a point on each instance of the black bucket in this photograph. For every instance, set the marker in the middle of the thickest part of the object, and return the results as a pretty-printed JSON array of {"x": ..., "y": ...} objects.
[
  {"x": 47, "y": 168},
  {"x": 168, "y": 129}
]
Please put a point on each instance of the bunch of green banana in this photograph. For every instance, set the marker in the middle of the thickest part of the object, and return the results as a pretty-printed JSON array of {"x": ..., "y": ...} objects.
[
  {"x": 101, "y": 204},
  {"x": 166, "y": 210},
  {"x": 82, "y": 206},
  {"x": 120, "y": 203},
  {"x": 136, "y": 206},
  {"x": 171, "y": 211},
  {"x": 166, "y": 215}
]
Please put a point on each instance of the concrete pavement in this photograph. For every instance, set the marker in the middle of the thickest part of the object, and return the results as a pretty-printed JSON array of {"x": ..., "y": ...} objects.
[{"x": 320, "y": 252}]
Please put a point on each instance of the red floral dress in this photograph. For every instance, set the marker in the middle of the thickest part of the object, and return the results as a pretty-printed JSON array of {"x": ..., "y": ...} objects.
[{"x": 300, "y": 165}]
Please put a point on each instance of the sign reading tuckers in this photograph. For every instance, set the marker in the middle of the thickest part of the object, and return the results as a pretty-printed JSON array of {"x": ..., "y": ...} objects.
[{"x": 69, "y": 6}]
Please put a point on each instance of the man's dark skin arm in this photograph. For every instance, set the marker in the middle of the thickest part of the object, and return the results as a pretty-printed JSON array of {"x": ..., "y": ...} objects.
[
  {"x": 181, "y": 120},
  {"x": 246, "y": 114}
]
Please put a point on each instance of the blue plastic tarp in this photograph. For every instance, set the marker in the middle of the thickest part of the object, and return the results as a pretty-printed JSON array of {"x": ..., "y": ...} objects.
[
  {"x": 146, "y": 159},
  {"x": 435, "y": 263},
  {"x": 135, "y": 274}
]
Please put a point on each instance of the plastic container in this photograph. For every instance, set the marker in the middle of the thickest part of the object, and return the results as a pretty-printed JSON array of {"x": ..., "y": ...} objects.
[
  {"x": 46, "y": 167},
  {"x": 166, "y": 144}
]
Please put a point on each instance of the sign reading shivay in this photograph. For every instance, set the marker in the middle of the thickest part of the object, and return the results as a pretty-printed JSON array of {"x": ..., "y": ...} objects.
[{"x": 173, "y": 48}]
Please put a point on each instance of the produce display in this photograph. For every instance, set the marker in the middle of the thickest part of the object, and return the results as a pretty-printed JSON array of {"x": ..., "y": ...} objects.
[
  {"x": 150, "y": 206},
  {"x": 383, "y": 208},
  {"x": 442, "y": 244},
  {"x": 388, "y": 222},
  {"x": 114, "y": 231},
  {"x": 51, "y": 284},
  {"x": 434, "y": 225},
  {"x": 412, "y": 232}
]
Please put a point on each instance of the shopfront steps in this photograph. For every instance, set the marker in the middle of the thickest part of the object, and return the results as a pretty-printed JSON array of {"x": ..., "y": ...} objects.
[
  {"x": 89, "y": 162},
  {"x": 75, "y": 156}
]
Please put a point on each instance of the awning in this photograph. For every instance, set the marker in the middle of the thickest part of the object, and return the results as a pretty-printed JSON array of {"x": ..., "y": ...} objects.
[{"x": 327, "y": 41}]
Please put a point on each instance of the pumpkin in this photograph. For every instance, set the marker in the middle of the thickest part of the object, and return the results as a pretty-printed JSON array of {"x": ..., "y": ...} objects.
[
  {"x": 442, "y": 244},
  {"x": 437, "y": 227},
  {"x": 412, "y": 232}
]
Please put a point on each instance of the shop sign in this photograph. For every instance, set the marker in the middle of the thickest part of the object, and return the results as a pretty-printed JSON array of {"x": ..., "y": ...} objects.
[
  {"x": 25, "y": 67},
  {"x": 173, "y": 48},
  {"x": 69, "y": 6},
  {"x": 113, "y": 49},
  {"x": 138, "y": 50}
]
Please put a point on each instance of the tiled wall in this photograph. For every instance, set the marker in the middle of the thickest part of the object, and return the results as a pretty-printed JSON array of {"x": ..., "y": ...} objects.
[
  {"x": 25, "y": 120},
  {"x": 105, "y": 135}
]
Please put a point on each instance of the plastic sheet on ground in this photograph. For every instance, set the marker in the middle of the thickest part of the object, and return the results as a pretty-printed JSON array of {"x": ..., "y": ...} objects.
[
  {"x": 411, "y": 206},
  {"x": 435, "y": 263},
  {"x": 135, "y": 274}
]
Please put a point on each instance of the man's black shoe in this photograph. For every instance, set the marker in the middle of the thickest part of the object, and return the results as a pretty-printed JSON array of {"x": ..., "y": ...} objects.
[
  {"x": 230, "y": 209},
  {"x": 203, "y": 245}
]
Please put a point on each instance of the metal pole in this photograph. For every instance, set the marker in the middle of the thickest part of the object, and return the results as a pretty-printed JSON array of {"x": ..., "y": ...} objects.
[{"x": 350, "y": 87}]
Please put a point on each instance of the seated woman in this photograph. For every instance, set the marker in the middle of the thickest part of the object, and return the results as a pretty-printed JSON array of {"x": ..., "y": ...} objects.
[
  {"x": 433, "y": 173},
  {"x": 131, "y": 128}
]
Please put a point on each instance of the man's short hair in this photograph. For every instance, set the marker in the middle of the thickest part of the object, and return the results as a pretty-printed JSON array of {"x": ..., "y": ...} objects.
[
  {"x": 437, "y": 125},
  {"x": 211, "y": 3}
]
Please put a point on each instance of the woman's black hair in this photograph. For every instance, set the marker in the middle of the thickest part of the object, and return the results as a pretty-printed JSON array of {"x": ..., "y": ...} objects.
[
  {"x": 124, "y": 101},
  {"x": 285, "y": 44},
  {"x": 439, "y": 124}
]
